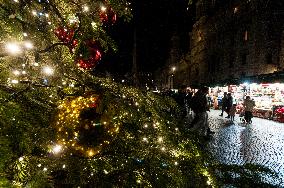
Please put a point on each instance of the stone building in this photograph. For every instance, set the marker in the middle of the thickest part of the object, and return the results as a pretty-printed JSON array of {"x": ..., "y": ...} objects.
[{"x": 235, "y": 38}]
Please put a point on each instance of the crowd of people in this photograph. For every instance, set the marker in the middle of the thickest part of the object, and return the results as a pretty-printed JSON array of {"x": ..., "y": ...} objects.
[{"x": 197, "y": 104}]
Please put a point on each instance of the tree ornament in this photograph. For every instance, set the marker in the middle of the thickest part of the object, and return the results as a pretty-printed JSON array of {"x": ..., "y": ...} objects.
[
  {"x": 81, "y": 126},
  {"x": 90, "y": 55},
  {"x": 66, "y": 35},
  {"x": 107, "y": 16}
]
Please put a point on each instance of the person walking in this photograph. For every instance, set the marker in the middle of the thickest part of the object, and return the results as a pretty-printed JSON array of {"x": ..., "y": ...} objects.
[
  {"x": 229, "y": 104},
  {"x": 224, "y": 103},
  {"x": 199, "y": 106},
  {"x": 232, "y": 112},
  {"x": 249, "y": 104}
]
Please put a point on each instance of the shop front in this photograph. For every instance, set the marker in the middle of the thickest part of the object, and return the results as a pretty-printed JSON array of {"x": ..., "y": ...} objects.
[{"x": 268, "y": 97}]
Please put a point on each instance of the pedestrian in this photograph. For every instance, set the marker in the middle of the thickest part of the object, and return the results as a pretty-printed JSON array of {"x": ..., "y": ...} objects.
[
  {"x": 180, "y": 99},
  {"x": 199, "y": 105},
  {"x": 249, "y": 104},
  {"x": 188, "y": 97},
  {"x": 229, "y": 104},
  {"x": 232, "y": 112},
  {"x": 224, "y": 103}
]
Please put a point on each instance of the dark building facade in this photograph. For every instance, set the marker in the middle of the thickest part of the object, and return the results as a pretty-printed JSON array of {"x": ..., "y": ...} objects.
[{"x": 235, "y": 38}]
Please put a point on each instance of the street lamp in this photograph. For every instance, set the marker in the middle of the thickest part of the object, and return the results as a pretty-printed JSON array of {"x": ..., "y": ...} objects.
[{"x": 172, "y": 77}]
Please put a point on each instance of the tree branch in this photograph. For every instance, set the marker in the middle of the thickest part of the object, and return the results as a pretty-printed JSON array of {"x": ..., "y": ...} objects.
[{"x": 51, "y": 47}]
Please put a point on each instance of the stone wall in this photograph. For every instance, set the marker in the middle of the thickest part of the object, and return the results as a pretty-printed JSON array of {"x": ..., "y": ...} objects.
[{"x": 235, "y": 39}]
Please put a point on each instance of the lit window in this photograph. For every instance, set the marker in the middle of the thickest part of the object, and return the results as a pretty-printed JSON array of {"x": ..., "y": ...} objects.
[{"x": 246, "y": 35}]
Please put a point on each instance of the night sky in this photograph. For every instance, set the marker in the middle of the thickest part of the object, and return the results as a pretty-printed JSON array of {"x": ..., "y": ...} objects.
[{"x": 154, "y": 22}]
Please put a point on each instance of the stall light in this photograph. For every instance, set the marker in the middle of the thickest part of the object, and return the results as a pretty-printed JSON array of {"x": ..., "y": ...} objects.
[{"x": 246, "y": 83}]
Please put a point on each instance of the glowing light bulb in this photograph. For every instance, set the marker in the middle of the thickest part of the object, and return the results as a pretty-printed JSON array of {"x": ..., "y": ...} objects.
[
  {"x": 103, "y": 8},
  {"x": 15, "y": 81},
  {"x": 13, "y": 48},
  {"x": 57, "y": 148},
  {"x": 28, "y": 45},
  {"x": 21, "y": 158},
  {"x": 48, "y": 70},
  {"x": 16, "y": 72},
  {"x": 85, "y": 8}
]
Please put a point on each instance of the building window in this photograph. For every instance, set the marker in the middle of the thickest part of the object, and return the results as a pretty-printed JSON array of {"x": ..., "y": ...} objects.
[
  {"x": 268, "y": 58},
  {"x": 244, "y": 58},
  {"x": 246, "y": 35}
]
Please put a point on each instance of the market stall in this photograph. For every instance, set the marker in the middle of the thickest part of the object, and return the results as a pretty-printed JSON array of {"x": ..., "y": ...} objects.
[{"x": 269, "y": 98}]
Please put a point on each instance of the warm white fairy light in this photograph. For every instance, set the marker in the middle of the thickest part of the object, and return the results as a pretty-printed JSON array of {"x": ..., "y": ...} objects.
[
  {"x": 34, "y": 12},
  {"x": 103, "y": 8},
  {"x": 13, "y": 48},
  {"x": 48, "y": 70},
  {"x": 21, "y": 158},
  {"x": 15, "y": 81},
  {"x": 44, "y": 169},
  {"x": 56, "y": 149},
  {"x": 24, "y": 72},
  {"x": 36, "y": 64},
  {"x": 64, "y": 166},
  {"x": 16, "y": 1},
  {"x": 46, "y": 15},
  {"x": 145, "y": 126},
  {"x": 145, "y": 139},
  {"x": 25, "y": 34},
  {"x": 28, "y": 45},
  {"x": 39, "y": 165},
  {"x": 160, "y": 139},
  {"x": 94, "y": 25},
  {"x": 85, "y": 8},
  {"x": 16, "y": 72}
]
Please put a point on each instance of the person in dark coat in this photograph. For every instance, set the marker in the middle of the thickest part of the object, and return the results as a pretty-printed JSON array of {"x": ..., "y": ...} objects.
[
  {"x": 199, "y": 105},
  {"x": 224, "y": 103},
  {"x": 229, "y": 104}
]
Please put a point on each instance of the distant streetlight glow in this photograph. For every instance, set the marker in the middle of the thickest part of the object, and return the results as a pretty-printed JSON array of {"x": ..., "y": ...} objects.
[{"x": 173, "y": 68}]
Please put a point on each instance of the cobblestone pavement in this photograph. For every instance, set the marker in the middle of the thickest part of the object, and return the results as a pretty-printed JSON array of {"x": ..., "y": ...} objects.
[{"x": 262, "y": 143}]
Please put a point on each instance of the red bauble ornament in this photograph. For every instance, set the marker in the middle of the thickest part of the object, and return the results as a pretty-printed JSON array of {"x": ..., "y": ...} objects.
[
  {"x": 107, "y": 16},
  {"x": 66, "y": 35},
  {"x": 94, "y": 53}
]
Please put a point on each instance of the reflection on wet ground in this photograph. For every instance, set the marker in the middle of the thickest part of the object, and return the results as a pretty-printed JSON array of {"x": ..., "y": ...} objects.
[{"x": 262, "y": 143}]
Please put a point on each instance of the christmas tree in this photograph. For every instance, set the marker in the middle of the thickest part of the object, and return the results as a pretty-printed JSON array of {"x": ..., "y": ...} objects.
[{"x": 63, "y": 126}]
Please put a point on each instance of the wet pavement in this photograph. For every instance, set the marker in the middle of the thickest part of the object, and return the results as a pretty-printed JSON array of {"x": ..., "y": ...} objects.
[{"x": 261, "y": 142}]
